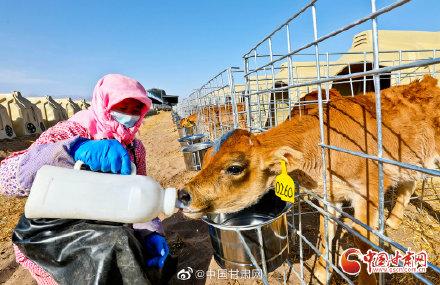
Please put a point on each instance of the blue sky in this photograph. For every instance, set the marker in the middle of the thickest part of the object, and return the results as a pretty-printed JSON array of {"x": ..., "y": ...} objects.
[{"x": 63, "y": 47}]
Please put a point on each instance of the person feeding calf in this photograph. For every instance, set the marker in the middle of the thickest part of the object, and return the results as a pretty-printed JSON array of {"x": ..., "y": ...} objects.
[{"x": 85, "y": 251}]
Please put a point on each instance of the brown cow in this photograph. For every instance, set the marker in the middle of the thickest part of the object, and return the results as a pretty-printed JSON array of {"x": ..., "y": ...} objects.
[
  {"x": 216, "y": 117},
  {"x": 245, "y": 166}
]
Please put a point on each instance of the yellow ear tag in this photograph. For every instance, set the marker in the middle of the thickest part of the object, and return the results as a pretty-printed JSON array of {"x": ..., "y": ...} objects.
[{"x": 284, "y": 185}]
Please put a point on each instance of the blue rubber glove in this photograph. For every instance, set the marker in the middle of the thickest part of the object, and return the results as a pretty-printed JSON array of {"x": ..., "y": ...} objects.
[
  {"x": 102, "y": 155},
  {"x": 157, "y": 249}
]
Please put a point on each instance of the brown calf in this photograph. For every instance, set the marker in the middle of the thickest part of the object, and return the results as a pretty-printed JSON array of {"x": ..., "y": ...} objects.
[
  {"x": 189, "y": 121},
  {"x": 244, "y": 167}
]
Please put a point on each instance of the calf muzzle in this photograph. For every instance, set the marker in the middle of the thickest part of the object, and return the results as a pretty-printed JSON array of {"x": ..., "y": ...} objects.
[{"x": 184, "y": 198}]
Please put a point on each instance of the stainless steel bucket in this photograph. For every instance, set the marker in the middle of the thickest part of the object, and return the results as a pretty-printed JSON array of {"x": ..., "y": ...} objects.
[
  {"x": 264, "y": 229},
  {"x": 183, "y": 132},
  {"x": 190, "y": 131},
  {"x": 193, "y": 155},
  {"x": 189, "y": 140},
  {"x": 176, "y": 118}
]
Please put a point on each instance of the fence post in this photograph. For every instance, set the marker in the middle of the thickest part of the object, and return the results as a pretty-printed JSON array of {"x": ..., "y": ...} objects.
[{"x": 233, "y": 99}]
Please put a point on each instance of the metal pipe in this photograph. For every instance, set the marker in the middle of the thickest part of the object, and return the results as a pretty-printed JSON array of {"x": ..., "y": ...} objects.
[
  {"x": 334, "y": 33},
  {"x": 365, "y": 78},
  {"x": 301, "y": 251},
  {"x": 327, "y": 92},
  {"x": 263, "y": 256},
  {"x": 376, "y": 78},
  {"x": 322, "y": 139},
  {"x": 289, "y": 71},
  {"x": 316, "y": 250},
  {"x": 354, "y": 52},
  {"x": 385, "y": 160},
  {"x": 251, "y": 256},
  {"x": 381, "y": 70},
  {"x": 400, "y": 63},
  {"x": 282, "y": 25},
  {"x": 351, "y": 80},
  {"x": 360, "y": 223},
  {"x": 364, "y": 239},
  {"x": 234, "y": 101}
]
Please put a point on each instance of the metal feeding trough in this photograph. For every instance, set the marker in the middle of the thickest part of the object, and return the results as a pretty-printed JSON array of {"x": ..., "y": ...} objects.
[
  {"x": 255, "y": 235},
  {"x": 193, "y": 155},
  {"x": 189, "y": 140}
]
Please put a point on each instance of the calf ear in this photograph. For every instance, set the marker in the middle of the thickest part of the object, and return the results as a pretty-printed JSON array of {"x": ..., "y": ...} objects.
[
  {"x": 292, "y": 157},
  {"x": 207, "y": 157}
]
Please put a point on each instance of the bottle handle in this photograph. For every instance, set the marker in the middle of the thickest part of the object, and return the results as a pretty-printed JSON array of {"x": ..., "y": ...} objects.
[{"x": 80, "y": 163}]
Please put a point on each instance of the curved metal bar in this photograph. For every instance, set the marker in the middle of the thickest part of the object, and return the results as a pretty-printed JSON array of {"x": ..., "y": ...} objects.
[{"x": 252, "y": 257}]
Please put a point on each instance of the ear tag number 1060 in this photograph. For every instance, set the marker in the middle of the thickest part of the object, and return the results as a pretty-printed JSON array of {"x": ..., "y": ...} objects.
[{"x": 284, "y": 185}]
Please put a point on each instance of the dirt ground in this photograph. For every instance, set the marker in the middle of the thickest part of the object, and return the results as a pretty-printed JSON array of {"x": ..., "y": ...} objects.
[
  {"x": 189, "y": 239},
  {"x": 10, "y": 211}
]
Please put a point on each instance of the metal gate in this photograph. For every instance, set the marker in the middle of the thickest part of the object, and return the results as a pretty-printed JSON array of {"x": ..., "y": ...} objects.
[{"x": 279, "y": 76}]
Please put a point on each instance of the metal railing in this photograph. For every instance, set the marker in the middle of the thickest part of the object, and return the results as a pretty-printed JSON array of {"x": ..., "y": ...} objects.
[{"x": 218, "y": 104}]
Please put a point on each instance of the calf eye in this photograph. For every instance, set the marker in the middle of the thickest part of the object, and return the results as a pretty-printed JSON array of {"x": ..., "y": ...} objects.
[{"x": 235, "y": 169}]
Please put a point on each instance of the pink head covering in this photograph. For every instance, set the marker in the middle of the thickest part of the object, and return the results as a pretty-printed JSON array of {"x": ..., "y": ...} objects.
[{"x": 110, "y": 90}]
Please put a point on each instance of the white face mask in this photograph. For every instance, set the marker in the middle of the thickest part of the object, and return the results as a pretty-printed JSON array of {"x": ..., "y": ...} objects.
[{"x": 125, "y": 119}]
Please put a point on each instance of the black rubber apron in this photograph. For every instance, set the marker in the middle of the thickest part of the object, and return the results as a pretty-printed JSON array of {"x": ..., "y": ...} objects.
[{"x": 82, "y": 251}]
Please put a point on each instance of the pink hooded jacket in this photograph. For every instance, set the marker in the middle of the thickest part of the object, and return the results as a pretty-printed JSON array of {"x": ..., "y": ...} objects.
[
  {"x": 109, "y": 91},
  {"x": 18, "y": 170}
]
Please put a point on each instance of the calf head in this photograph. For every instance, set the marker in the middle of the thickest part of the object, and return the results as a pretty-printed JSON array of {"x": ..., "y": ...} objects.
[
  {"x": 237, "y": 172},
  {"x": 189, "y": 121}
]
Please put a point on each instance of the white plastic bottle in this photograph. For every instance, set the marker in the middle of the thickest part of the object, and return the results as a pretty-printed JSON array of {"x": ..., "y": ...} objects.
[{"x": 79, "y": 194}]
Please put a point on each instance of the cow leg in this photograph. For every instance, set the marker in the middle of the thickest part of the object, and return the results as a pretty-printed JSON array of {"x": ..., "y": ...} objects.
[
  {"x": 404, "y": 192},
  {"x": 365, "y": 211},
  {"x": 319, "y": 271}
]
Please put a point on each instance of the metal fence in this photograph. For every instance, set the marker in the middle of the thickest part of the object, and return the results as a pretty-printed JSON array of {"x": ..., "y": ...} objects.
[
  {"x": 218, "y": 104},
  {"x": 279, "y": 79},
  {"x": 275, "y": 91}
]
